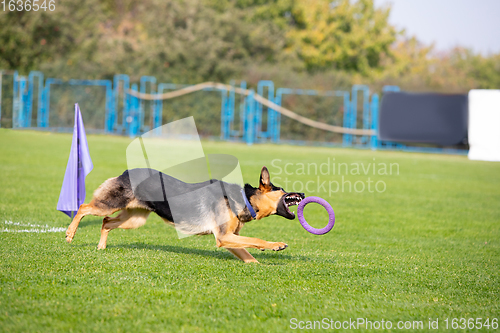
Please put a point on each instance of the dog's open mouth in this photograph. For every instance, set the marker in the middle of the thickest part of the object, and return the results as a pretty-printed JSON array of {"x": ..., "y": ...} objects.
[{"x": 289, "y": 199}]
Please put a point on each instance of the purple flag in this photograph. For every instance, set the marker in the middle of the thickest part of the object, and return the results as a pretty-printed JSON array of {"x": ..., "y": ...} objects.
[{"x": 79, "y": 166}]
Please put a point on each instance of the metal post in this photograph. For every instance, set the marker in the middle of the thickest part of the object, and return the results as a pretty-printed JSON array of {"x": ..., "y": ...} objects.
[
  {"x": 24, "y": 107},
  {"x": 366, "y": 113},
  {"x": 39, "y": 104},
  {"x": 110, "y": 110},
  {"x": 277, "y": 120},
  {"x": 224, "y": 128},
  {"x": 354, "y": 110},
  {"x": 250, "y": 116},
  {"x": 20, "y": 122},
  {"x": 116, "y": 95},
  {"x": 157, "y": 115},
  {"x": 15, "y": 100},
  {"x": 270, "y": 113},
  {"x": 227, "y": 111},
  {"x": 230, "y": 106},
  {"x": 374, "y": 121},
  {"x": 277, "y": 123},
  {"x": 143, "y": 81},
  {"x": 345, "y": 137},
  {"x": 134, "y": 117}
]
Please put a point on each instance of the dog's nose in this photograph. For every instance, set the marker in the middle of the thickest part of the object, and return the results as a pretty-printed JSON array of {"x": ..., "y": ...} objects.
[{"x": 302, "y": 195}]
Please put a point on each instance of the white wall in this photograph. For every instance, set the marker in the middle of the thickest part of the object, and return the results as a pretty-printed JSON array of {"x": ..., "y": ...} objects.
[{"x": 484, "y": 125}]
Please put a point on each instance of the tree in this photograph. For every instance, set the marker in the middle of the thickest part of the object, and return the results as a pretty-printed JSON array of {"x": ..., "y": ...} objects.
[
  {"x": 29, "y": 39},
  {"x": 345, "y": 35}
]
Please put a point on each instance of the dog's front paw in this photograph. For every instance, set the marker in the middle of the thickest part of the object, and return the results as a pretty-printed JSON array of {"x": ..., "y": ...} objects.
[
  {"x": 278, "y": 246},
  {"x": 69, "y": 236}
]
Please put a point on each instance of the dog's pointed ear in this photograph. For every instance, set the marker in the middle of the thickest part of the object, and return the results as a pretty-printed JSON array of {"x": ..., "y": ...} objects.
[{"x": 265, "y": 179}]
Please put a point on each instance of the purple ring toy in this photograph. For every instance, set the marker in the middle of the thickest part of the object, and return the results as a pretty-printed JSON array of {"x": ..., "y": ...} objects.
[{"x": 326, "y": 205}]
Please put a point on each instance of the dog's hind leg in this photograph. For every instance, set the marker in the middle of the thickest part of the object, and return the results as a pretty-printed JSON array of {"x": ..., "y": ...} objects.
[
  {"x": 130, "y": 218},
  {"x": 87, "y": 209}
]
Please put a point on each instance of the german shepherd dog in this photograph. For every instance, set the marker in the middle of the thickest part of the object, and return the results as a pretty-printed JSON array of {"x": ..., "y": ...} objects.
[{"x": 235, "y": 208}]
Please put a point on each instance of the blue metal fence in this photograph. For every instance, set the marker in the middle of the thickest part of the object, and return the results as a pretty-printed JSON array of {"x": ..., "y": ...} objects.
[
  {"x": 281, "y": 92},
  {"x": 242, "y": 117}
]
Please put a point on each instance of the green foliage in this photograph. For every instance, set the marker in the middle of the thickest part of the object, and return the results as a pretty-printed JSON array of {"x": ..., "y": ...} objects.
[
  {"x": 345, "y": 35},
  {"x": 175, "y": 40},
  {"x": 30, "y": 40},
  {"x": 484, "y": 70},
  {"x": 417, "y": 67},
  {"x": 189, "y": 41},
  {"x": 275, "y": 11}
]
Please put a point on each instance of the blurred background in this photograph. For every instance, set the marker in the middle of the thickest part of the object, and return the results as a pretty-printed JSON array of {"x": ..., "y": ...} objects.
[{"x": 440, "y": 46}]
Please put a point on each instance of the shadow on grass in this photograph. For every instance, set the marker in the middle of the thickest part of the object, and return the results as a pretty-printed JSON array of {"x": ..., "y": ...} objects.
[
  {"x": 223, "y": 255},
  {"x": 90, "y": 222}
]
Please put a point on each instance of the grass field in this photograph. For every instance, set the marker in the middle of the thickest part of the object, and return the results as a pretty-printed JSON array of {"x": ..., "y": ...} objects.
[{"x": 427, "y": 247}]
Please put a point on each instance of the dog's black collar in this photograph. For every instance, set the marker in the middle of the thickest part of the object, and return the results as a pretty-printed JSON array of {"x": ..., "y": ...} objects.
[{"x": 249, "y": 206}]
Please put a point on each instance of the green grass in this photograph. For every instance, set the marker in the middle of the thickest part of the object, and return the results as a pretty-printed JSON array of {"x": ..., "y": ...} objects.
[{"x": 427, "y": 247}]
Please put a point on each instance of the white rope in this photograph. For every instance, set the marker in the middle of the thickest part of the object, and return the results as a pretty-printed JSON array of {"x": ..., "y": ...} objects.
[{"x": 258, "y": 98}]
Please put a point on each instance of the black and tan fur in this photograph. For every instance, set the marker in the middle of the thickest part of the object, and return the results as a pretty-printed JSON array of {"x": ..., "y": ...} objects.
[{"x": 116, "y": 194}]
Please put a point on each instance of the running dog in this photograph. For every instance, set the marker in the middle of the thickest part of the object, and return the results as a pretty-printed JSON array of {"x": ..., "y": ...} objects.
[{"x": 224, "y": 219}]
